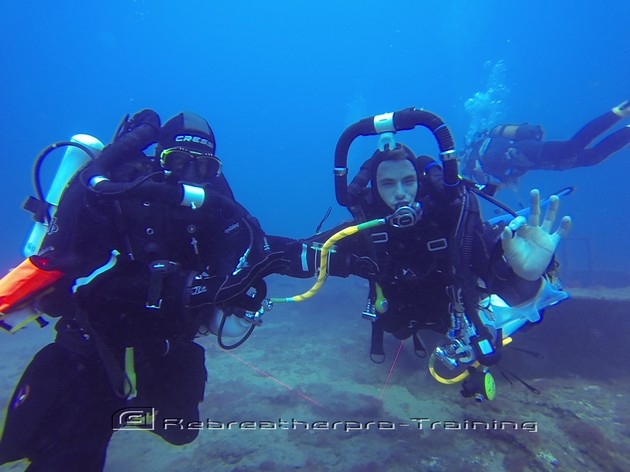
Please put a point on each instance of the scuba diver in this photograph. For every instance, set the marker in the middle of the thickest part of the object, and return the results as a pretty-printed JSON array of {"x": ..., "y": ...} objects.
[
  {"x": 142, "y": 254},
  {"x": 418, "y": 238},
  {"x": 505, "y": 153}
]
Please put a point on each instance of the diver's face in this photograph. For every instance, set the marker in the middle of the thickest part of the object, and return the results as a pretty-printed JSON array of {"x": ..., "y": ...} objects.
[{"x": 397, "y": 183}]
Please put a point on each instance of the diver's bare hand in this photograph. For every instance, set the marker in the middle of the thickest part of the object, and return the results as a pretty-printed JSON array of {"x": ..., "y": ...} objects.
[{"x": 529, "y": 246}]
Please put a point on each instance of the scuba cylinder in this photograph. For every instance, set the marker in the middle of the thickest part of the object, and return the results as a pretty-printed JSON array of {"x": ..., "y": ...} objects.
[
  {"x": 80, "y": 149},
  {"x": 31, "y": 276},
  {"x": 232, "y": 323},
  {"x": 517, "y": 132}
]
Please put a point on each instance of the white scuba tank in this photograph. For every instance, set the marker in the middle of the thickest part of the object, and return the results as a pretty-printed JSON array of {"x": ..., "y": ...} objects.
[
  {"x": 73, "y": 159},
  {"x": 233, "y": 326}
]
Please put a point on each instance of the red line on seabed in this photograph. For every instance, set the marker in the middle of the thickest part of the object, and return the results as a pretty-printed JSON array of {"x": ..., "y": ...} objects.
[
  {"x": 391, "y": 369},
  {"x": 269, "y": 376}
]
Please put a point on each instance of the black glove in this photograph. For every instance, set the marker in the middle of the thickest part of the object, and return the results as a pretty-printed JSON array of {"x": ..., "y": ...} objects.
[
  {"x": 138, "y": 132},
  {"x": 134, "y": 136},
  {"x": 145, "y": 117}
]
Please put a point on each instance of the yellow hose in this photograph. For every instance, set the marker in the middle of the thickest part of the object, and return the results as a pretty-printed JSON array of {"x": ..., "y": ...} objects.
[
  {"x": 130, "y": 370},
  {"x": 323, "y": 259}
]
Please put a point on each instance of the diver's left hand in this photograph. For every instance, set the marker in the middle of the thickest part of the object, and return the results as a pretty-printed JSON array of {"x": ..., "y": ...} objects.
[{"x": 529, "y": 246}]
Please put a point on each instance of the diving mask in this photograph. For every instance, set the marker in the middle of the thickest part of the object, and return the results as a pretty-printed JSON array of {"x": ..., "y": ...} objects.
[
  {"x": 176, "y": 158},
  {"x": 406, "y": 215}
]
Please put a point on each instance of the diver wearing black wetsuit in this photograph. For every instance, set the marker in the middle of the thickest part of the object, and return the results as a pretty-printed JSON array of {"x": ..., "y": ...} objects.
[
  {"x": 421, "y": 268},
  {"x": 509, "y": 151},
  {"x": 147, "y": 257}
]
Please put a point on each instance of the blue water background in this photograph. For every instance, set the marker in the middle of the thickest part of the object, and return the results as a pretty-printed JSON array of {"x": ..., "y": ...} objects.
[{"x": 280, "y": 80}]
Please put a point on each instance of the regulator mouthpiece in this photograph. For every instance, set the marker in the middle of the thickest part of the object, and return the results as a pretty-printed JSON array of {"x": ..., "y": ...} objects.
[{"x": 406, "y": 215}]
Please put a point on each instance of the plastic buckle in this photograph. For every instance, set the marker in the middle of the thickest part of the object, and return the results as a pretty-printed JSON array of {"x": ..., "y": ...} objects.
[{"x": 159, "y": 270}]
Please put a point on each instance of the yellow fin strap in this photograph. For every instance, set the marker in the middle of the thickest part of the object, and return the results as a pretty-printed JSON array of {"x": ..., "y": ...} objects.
[{"x": 130, "y": 370}]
